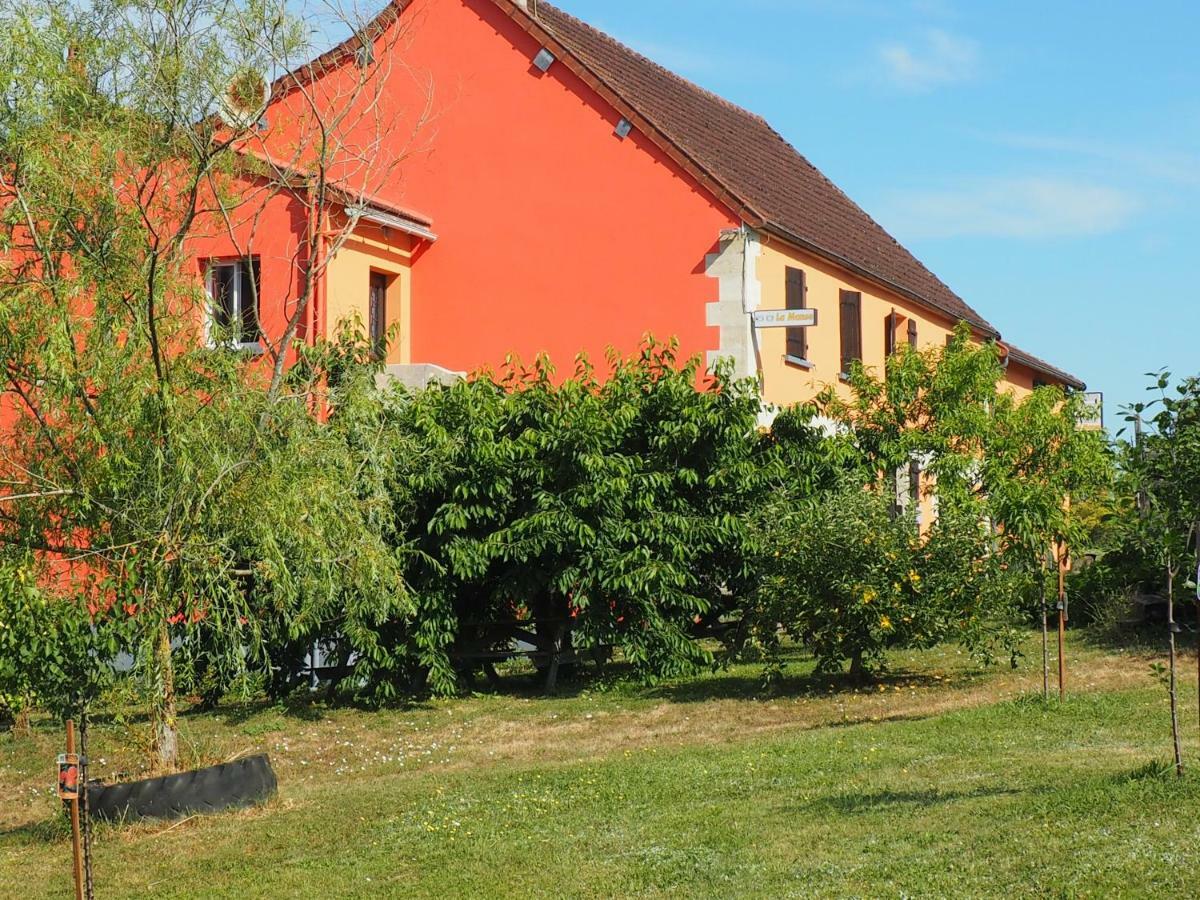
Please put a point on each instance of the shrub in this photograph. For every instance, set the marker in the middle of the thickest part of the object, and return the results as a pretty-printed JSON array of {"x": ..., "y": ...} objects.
[
  {"x": 841, "y": 580},
  {"x": 614, "y": 506}
]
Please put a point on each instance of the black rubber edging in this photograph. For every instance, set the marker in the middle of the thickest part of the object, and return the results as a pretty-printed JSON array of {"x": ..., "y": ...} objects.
[{"x": 234, "y": 785}]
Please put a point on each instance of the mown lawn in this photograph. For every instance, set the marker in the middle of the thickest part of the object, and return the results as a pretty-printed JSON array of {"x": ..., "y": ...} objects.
[{"x": 943, "y": 781}]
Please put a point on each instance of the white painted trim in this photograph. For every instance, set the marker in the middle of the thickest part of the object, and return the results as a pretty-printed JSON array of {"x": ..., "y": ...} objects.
[{"x": 390, "y": 220}]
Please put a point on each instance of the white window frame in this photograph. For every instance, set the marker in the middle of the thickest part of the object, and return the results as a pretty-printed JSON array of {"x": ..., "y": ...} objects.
[{"x": 242, "y": 266}]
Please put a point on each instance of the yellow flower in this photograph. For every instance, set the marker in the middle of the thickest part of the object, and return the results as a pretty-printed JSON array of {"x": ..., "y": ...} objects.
[
  {"x": 869, "y": 594},
  {"x": 914, "y": 578},
  {"x": 885, "y": 623}
]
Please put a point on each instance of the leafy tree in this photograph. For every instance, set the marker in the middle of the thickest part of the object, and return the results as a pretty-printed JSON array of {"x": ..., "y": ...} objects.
[
  {"x": 53, "y": 652},
  {"x": 843, "y": 583},
  {"x": 931, "y": 406},
  {"x": 1164, "y": 465},
  {"x": 1037, "y": 466},
  {"x": 1002, "y": 471},
  {"x": 588, "y": 512}
]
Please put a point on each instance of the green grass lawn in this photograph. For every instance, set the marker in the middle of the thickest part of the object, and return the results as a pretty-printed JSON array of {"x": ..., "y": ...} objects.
[{"x": 942, "y": 781}]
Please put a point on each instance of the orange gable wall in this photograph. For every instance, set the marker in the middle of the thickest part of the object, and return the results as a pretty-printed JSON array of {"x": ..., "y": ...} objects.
[{"x": 554, "y": 235}]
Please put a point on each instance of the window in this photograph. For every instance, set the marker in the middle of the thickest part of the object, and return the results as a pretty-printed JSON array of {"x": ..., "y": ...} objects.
[
  {"x": 797, "y": 338},
  {"x": 233, "y": 290},
  {"x": 851, "y": 327},
  {"x": 377, "y": 314}
]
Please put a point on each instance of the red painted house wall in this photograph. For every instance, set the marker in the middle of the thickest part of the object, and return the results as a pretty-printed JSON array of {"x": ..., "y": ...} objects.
[
  {"x": 554, "y": 235},
  {"x": 270, "y": 225}
]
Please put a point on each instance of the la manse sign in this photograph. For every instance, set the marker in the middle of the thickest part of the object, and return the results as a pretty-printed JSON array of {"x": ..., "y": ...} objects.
[{"x": 785, "y": 318}]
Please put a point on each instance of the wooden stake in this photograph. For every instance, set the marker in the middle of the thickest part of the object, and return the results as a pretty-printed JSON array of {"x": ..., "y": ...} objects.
[
  {"x": 1062, "y": 625},
  {"x": 1045, "y": 634},
  {"x": 1196, "y": 534},
  {"x": 1172, "y": 627},
  {"x": 75, "y": 819}
]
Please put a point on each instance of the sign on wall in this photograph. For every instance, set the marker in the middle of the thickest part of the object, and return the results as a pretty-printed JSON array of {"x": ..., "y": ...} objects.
[
  {"x": 1094, "y": 418},
  {"x": 785, "y": 318}
]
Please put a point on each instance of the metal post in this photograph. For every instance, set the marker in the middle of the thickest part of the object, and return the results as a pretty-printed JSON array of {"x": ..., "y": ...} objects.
[{"x": 75, "y": 819}]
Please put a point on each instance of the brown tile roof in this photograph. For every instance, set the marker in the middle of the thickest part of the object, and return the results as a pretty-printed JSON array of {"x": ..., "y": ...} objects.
[{"x": 747, "y": 157}]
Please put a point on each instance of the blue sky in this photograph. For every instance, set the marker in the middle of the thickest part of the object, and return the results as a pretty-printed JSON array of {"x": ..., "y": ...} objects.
[{"x": 1042, "y": 158}]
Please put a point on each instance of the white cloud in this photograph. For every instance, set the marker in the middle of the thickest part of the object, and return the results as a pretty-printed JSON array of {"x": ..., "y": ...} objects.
[
  {"x": 1171, "y": 166},
  {"x": 1010, "y": 208},
  {"x": 938, "y": 58}
]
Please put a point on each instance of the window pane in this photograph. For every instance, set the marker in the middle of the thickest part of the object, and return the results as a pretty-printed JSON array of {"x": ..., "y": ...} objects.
[
  {"x": 223, "y": 301},
  {"x": 249, "y": 272}
]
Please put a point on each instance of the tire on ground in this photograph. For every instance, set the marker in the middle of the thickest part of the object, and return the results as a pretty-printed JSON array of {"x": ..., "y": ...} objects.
[{"x": 234, "y": 785}]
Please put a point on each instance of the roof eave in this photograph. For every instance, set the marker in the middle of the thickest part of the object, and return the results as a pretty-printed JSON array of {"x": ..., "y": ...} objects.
[{"x": 1032, "y": 362}]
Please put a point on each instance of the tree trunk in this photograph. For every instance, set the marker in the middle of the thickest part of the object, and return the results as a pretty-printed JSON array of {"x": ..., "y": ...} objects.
[
  {"x": 1196, "y": 532},
  {"x": 1171, "y": 626},
  {"x": 1062, "y": 624},
  {"x": 858, "y": 669},
  {"x": 21, "y": 724},
  {"x": 166, "y": 733}
]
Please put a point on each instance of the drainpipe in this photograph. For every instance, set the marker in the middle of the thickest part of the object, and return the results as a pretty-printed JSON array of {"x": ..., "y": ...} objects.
[{"x": 310, "y": 318}]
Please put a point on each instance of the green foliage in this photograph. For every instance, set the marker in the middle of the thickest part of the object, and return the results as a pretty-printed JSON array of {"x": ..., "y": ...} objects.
[
  {"x": 53, "y": 653},
  {"x": 172, "y": 477},
  {"x": 850, "y": 576},
  {"x": 841, "y": 583},
  {"x": 616, "y": 505},
  {"x": 1163, "y": 474}
]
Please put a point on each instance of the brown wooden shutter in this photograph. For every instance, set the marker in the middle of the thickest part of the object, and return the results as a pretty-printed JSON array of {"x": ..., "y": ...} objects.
[
  {"x": 851, "y": 327},
  {"x": 797, "y": 338},
  {"x": 890, "y": 324},
  {"x": 914, "y": 481},
  {"x": 912, "y": 333}
]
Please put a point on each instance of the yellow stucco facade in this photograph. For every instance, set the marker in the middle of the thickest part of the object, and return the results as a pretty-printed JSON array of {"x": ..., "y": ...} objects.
[
  {"x": 372, "y": 249},
  {"x": 787, "y": 380}
]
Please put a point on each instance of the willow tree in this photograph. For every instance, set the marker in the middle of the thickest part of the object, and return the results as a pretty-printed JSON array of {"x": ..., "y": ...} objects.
[{"x": 145, "y": 466}]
